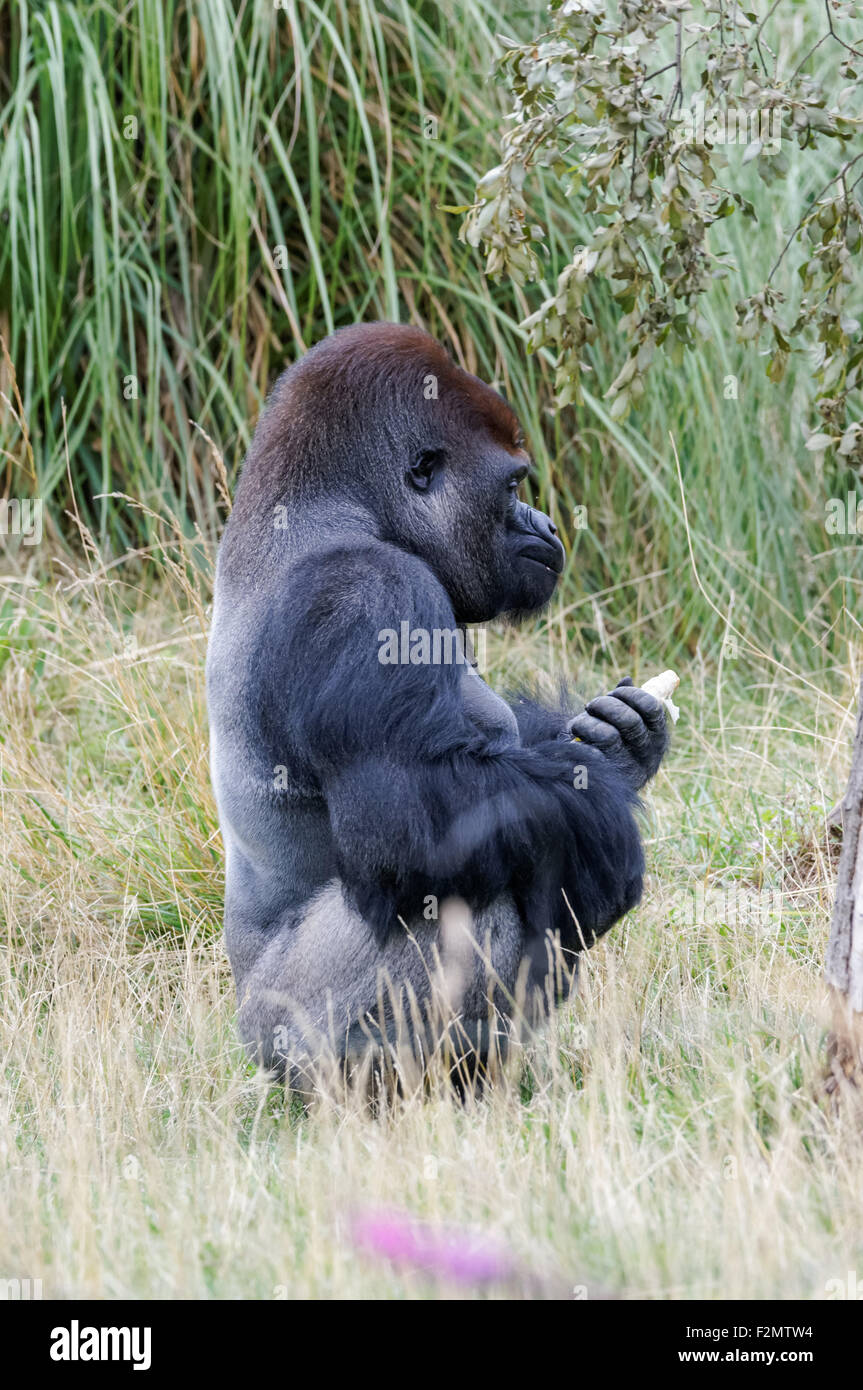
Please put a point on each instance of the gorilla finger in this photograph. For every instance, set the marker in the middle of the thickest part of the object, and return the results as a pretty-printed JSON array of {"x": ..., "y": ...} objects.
[
  {"x": 651, "y": 710},
  {"x": 619, "y": 713},
  {"x": 624, "y": 680},
  {"x": 635, "y": 736},
  {"x": 596, "y": 731}
]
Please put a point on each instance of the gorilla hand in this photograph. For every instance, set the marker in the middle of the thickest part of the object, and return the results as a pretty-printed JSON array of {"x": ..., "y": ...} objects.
[{"x": 628, "y": 726}]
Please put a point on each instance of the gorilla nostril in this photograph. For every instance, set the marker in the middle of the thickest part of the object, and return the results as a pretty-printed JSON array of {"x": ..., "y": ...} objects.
[{"x": 552, "y": 528}]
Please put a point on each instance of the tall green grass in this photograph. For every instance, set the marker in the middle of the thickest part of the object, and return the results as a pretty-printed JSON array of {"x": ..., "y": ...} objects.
[{"x": 156, "y": 158}]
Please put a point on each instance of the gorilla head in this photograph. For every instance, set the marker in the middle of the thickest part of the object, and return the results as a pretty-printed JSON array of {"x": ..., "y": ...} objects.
[{"x": 408, "y": 447}]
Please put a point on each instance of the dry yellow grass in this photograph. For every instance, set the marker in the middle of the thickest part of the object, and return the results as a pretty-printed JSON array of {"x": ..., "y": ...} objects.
[{"x": 665, "y": 1139}]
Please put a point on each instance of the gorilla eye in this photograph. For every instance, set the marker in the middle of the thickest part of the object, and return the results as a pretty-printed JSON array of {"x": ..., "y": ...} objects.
[
  {"x": 518, "y": 478},
  {"x": 424, "y": 467}
]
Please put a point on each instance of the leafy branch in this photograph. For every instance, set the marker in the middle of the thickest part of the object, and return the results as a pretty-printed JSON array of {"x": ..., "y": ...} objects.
[{"x": 641, "y": 144}]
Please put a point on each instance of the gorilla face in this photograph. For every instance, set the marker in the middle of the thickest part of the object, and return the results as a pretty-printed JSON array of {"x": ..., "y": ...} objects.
[{"x": 492, "y": 552}]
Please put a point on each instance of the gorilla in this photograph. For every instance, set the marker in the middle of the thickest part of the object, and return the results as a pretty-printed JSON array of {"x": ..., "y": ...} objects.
[{"x": 365, "y": 774}]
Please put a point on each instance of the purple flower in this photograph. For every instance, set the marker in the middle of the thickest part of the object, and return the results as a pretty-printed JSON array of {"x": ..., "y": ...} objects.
[{"x": 442, "y": 1251}]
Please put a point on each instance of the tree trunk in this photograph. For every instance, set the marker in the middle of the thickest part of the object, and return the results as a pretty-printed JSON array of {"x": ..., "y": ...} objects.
[{"x": 844, "y": 963}]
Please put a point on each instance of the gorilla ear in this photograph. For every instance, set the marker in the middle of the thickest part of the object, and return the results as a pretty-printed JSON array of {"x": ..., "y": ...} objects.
[{"x": 423, "y": 468}]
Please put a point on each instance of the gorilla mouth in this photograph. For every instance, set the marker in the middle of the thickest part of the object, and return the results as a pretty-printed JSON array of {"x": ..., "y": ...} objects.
[{"x": 551, "y": 560}]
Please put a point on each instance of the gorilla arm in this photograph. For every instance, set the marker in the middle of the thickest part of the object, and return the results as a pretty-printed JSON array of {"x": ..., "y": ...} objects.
[{"x": 420, "y": 800}]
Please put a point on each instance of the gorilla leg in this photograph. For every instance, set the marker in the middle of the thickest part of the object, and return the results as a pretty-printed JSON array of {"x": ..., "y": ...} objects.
[{"x": 323, "y": 992}]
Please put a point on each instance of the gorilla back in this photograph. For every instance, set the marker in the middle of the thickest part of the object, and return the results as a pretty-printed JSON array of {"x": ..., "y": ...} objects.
[{"x": 365, "y": 774}]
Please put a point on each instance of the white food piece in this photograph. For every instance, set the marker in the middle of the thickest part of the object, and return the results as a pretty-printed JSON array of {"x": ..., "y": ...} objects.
[{"x": 662, "y": 687}]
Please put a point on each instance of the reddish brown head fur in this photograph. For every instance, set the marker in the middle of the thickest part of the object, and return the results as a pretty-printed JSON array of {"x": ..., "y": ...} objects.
[{"x": 350, "y": 395}]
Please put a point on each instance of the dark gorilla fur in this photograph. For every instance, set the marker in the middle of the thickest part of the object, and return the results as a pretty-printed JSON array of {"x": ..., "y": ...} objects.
[{"x": 381, "y": 488}]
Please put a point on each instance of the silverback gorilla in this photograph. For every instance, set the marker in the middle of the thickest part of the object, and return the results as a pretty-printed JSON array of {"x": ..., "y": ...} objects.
[{"x": 364, "y": 771}]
